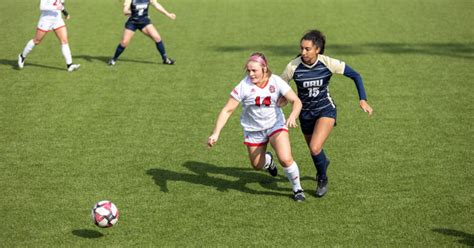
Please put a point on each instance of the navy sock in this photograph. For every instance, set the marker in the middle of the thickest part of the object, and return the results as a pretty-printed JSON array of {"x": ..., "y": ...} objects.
[
  {"x": 320, "y": 163},
  {"x": 118, "y": 51},
  {"x": 161, "y": 48}
]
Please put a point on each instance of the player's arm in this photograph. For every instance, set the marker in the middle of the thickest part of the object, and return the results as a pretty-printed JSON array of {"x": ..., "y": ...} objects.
[
  {"x": 291, "y": 97},
  {"x": 355, "y": 76},
  {"x": 64, "y": 11},
  {"x": 126, "y": 7},
  {"x": 287, "y": 75},
  {"x": 224, "y": 115},
  {"x": 160, "y": 8}
]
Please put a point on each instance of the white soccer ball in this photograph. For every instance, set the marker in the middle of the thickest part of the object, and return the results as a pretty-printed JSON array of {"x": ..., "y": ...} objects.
[{"x": 105, "y": 214}]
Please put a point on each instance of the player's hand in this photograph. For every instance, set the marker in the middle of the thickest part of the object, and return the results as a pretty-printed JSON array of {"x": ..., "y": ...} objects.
[
  {"x": 291, "y": 122},
  {"x": 68, "y": 17},
  {"x": 282, "y": 102},
  {"x": 212, "y": 140},
  {"x": 366, "y": 107},
  {"x": 127, "y": 13},
  {"x": 172, "y": 16}
]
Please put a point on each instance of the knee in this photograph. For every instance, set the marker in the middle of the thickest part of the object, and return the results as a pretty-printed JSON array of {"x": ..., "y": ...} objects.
[
  {"x": 124, "y": 43},
  {"x": 315, "y": 149},
  {"x": 64, "y": 42},
  {"x": 257, "y": 165},
  {"x": 286, "y": 162},
  {"x": 36, "y": 41}
]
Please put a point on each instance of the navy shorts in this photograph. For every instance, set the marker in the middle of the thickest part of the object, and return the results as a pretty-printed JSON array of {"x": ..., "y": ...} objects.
[
  {"x": 308, "y": 118},
  {"x": 133, "y": 25}
]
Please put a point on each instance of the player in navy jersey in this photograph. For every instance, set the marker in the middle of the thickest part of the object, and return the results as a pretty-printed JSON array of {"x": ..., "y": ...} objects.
[
  {"x": 312, "y": 72},
  {"x": 263, "y": 121},
  {"x": 137, "y": 10}
]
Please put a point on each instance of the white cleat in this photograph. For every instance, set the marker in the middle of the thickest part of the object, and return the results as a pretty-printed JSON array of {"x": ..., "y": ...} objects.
[
  {"x": 21, "y": 61},
  {"x": 73, "y": 67}
]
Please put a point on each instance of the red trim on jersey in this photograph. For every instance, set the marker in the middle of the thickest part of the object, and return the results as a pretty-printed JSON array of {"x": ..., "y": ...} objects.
[
  {"x": 60, "y": 27},
  {"x": 264, "y": 85},
  {"x": 255, "y": 144},
  {"x": 277, "y": 131},
  {"x": 42, "y": 30}
]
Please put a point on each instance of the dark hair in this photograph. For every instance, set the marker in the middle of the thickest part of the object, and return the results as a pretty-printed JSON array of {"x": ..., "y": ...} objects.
[{"x": 317, "y": 37}]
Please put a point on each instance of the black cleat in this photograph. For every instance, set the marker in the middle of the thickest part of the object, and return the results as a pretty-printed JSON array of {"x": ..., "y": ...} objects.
[
  {"x": 322, "y": 187},
  {"x": 168, "y": 61},
  {"x": 272, "y": 169},
  {"x": 298, "y": 195}
]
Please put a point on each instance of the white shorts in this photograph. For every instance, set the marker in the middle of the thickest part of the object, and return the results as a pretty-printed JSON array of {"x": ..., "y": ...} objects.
[
  {"x": 48, "y": 23},
  {"x": 261, "y": 138}
]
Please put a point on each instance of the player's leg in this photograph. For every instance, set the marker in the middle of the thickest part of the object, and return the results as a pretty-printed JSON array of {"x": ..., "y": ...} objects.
[
  {"x": 315, "y": 141},
  {"x": 256, "y": 143},
  {"x": 128, "y": 34},
  {"x": 61, "y": 34},
  {"x": 39, "y": 35},
  {"x": 151, "y": 32},
  {"x": 280, "y": 142},
  {"x": 258, "y": 157}
]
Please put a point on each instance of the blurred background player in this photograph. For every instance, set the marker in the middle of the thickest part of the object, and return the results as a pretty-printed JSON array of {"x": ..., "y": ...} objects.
[
  {"x": 263, "y": 121},
  {"x": 311, "y": 72},
  {"x": 51, "y": 20},
  {"x": 137, "y": 10}
]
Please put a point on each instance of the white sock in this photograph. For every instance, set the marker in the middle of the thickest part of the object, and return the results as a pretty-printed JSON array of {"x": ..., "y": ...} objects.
[
  {"x": 66, "y": 53},
  {"x": 293, "y": 174},
  {"x": 268, "y": 161},
  {"x": 29, "y": 46}
]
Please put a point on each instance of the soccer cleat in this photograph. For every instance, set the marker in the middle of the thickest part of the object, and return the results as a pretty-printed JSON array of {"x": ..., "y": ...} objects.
[
  {"x": 272, "y": 169},
  {"x": 111, "y": 62},
  {"x": 168, "y": 61},
  {"x": 298, "y": 195},
  {"x": 322, "y": 187},
  {"x": 21, "y": 61},
  {"x": 73, "y": 67}
]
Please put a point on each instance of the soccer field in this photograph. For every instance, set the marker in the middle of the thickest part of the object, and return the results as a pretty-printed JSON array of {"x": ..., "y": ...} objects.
[{"x": 135, "y": 133}]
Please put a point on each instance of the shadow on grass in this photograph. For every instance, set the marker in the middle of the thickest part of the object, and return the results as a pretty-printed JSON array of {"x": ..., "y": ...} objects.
[
  {"x": 212, "y": 176},
  {"x": 14, "y": 65},
  {"x": 87, "y": 233},
  {"x": 456, "y": 50},
  {"x": 106, "y": 59},
  {"x": 466, "y": 238}
]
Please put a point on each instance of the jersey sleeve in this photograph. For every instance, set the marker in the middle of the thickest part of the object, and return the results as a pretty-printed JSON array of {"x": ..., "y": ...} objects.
[
  {"x": 334, "y": 65},
  {"x": 282, "y": 86},
  {"x": 237, "y": 92},
  {"x": 287, "y": 74}
]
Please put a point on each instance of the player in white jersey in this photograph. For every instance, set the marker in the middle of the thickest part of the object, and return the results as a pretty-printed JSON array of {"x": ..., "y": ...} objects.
[
  {"x": 263, "y": 121},
  {"x": 51, "y": 20}
]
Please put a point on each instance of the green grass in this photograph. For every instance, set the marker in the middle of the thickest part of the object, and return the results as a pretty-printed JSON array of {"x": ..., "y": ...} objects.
[{"x": 135, "y": 133}]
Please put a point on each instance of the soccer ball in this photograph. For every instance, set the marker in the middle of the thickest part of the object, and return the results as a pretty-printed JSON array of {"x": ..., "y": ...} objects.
[{"x": 105, "y": 214}]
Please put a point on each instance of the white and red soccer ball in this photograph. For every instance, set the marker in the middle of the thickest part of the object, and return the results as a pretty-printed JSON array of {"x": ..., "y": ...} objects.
[{"x": 105, "y": 214}]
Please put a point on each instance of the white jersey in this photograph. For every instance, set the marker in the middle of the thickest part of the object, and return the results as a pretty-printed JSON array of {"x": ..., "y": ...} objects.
[
  {"x": 259, "y": 108},
  {"x": 51, "y": 18},
  {"x": 51, "y": 8}
]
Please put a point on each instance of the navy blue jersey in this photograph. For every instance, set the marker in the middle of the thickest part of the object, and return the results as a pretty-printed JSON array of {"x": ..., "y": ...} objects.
[
  {"x": 312, "y": 81},
  {"x": 139, "y": 9}
]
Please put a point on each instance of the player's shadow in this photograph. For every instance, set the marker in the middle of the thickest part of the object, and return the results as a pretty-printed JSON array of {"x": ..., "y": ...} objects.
[
  {"x": 221, "y": 178},
  {"x": 87, "y": 233},
  {"x": 14, "y": 65},
  {"x": 465, "y": 238},
  {"x": 106, "y": 59},
  {"x": 456, "y": 50}
]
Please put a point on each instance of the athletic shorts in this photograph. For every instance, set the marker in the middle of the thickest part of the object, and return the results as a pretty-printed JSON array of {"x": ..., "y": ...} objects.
[
  {"x": 310, "y": 117},
  {"x": 261, "y": 138},
  {"x": 133, "y": 25},
  {"x": 49, "y": 23}
]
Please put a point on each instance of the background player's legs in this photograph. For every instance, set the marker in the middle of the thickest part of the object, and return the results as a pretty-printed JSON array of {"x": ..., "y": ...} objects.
[
  {"x": 322, "y": 129},
  {"x": 126, "y": 38},
  {"x": 151, "y": 32},
  {"x": 281, "y": 144},
  {"x": 30, "y": 45}
]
